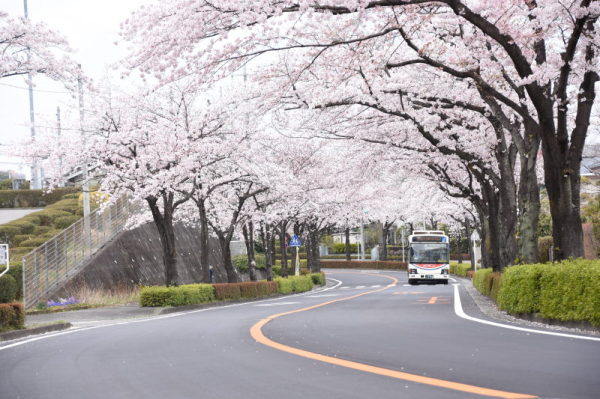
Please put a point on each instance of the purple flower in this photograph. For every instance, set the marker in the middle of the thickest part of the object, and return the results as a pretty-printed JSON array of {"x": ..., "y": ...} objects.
[{"x": 63, "y": 302}]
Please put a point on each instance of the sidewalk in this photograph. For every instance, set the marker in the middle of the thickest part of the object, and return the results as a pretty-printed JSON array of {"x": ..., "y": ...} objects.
[{"x": 86, "y": 317}]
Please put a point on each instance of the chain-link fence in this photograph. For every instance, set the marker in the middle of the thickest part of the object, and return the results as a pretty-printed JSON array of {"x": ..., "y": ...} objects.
[{"x": 51, "y": 264}]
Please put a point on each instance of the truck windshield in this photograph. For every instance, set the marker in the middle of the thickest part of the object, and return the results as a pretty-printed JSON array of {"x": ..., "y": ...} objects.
[{"x": 429, "y": 253}]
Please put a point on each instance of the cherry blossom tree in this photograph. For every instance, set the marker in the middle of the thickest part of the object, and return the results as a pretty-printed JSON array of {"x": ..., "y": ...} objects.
[
  {"x": 530, "y": 65},
  {"x": 28, "y": 47}
]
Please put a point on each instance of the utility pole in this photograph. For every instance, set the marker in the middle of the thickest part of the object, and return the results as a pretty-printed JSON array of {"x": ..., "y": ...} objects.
[{"x": 35, "y": 181}]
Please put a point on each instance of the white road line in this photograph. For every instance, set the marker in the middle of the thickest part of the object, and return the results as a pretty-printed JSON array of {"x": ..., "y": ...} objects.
[
  {"x": 277, "y": 303},
  {"x": 359, "y": 287},
  {"x": 344, "y": 287},
  {"x": 161, "y": 317},
  {"x": 375, "y": 286},
  {"x": 322, "y": 296},
  {"x": 460, "y": 313}
]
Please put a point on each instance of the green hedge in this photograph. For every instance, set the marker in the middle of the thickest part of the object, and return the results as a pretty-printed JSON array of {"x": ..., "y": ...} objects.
[
  {"x": 318, "y": 278},
  {"x": 192, "y": 294},
  {"x": 460, "y": 269},
  {"x": 301, "y": 283},
  {"x": 32, "y": 198},
  {"x": 177, "y": 296},
  {"x": 65, "y": 221},
  {"x": 12, "y": 316},
  {"x": 16, "y": 271},
  {"x": 481, "y": 281},
  {"x": 368, "y": 264},
  {"x": 566, "y": 291},
  {"x": 284, "y": 285},
  {"x": 8, "y": 288},
  {"x": 340, "y": 248},
  {"x": 8, "y": 232}
]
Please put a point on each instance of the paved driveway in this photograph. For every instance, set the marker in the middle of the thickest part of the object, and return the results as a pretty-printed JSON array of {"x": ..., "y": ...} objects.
[{"x": 8, "y": 215}]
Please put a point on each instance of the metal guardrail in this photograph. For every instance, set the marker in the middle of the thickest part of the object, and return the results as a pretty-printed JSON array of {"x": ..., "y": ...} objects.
[{"x": 58, "y": 259}]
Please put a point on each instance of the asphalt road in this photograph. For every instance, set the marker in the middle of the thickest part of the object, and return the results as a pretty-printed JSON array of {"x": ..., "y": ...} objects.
[{"x": 369, "y": 337}]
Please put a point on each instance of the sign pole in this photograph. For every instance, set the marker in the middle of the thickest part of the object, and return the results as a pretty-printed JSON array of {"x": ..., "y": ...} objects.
[{"x": 297, "y": 271}]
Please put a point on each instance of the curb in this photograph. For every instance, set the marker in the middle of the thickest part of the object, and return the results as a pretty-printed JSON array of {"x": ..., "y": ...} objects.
[{"x": 10, "y": 335}]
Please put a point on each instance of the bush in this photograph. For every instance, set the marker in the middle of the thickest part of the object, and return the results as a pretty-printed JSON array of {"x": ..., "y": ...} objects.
[
  {"x": 33, "y": 242},
  {"x": 23, "y": 226},
  {"x": 301, "y": 283},
  {"x": 176, "y": 296},
  {"x": 32, "y": 198},
  {"x": 240, "y": 262},
  {"x": 65, "y": 221},
  {"x": 481, "y": 281},
  {"x": 8, "y": 233},
  {"x": 520, "y": 292},
  {"x": 248, "y": 290},
  {"x": 16, "y": 271},
  {"x": 377, "y": 265},
  {"x": 19, "y": 238},
  {"x": 12, "y": 316},
  {"x": 340, "y": 248},
  {"x": 460, "y": 269},
  {"x": 284, "y": 285},
  {"x": 48, "y": 216},
  {"x": 39, "y": 230},
  {"x": 8, "y": 288},
  {"x": 570, "y": 291},
  {"x": 291, "y": 263},
  {"x": 67, "y": 205},
  {"x": 226, "y": 291},
  {"x": 318, "y": 278}
]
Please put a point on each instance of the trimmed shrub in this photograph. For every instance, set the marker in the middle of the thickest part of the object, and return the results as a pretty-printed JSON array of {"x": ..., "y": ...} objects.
[
  {"x": 460, "y": 269},
  {"x": 176, "y": 296},
  {"x": 8, "y": 288},
  {"x": 67, "y": 205},
  {"x": 495, "y": 282},
  {"x": 377, "y": 265},
  {"x": 226, "y": 291},
  {"x": 284, "y": 285},
  {"x": 39, "y": 230},
  {"x": 12, "y": 316},
  {"x": 48, "y": 216},
  {"x": 340, "y": 248},
  {"x": 8, "y": 232},
  {"x": 24, "y": 227},
  {"x": 33, "y": 242},
  {"x": 19, "y": 238},
  {"x": 248, "y": 290},
  {"x": 32, "y": 198},
  {"x": 520, "y": 291},
  {"x": 16, "y": 271},
  {"x": 65, "y": 221},
  {"x": 481, "y": 282},
  {"x": 570, "y": 291},
  {"x": 266, "y": 288},
  {"x": 318, "y": 278},
  {"x": 301, "y": 283},
  {"x": 291, "y": 263}
]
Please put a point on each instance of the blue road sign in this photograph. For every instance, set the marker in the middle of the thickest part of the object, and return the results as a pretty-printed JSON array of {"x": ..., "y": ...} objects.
[{"x": 295, "y": 241}]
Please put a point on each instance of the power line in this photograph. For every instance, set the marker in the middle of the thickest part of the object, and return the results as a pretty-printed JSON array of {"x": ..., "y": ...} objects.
[{"x": 36, "y": 90}]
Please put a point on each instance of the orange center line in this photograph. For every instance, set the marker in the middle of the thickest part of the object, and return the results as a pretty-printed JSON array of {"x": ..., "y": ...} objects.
[
  {"x": 432, "y": 300},
  {"x": 258, "y": 335}
]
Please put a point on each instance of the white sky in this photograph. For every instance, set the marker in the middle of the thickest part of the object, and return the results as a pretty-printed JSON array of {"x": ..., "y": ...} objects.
[{"x": 91, "y": 27}]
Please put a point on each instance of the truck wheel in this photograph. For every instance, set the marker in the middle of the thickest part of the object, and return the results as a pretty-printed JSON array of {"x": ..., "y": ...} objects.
[{"x": 412, "y": 281}]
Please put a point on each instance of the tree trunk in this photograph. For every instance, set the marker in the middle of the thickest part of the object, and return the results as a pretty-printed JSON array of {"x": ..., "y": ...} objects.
[
  {"x": 164, "y": 224},
  {"x": 385, "y": 232},
  {"x": 283, "y": 246},
  {"x": 529, "y": 209},
  {"x": 267, "y": 238},
  {"x": 248, "y": 233},
  {"x": 348, "y": 246},
  {"x": 232, "y": 276},
  {"x": 314, "y": 262},
  {"x": 458, "y": 248},
  {"x": 204, "y": 235}
]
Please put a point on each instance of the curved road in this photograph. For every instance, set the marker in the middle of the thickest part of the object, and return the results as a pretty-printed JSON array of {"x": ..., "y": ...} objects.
[{"x": 369, "y": 336}]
